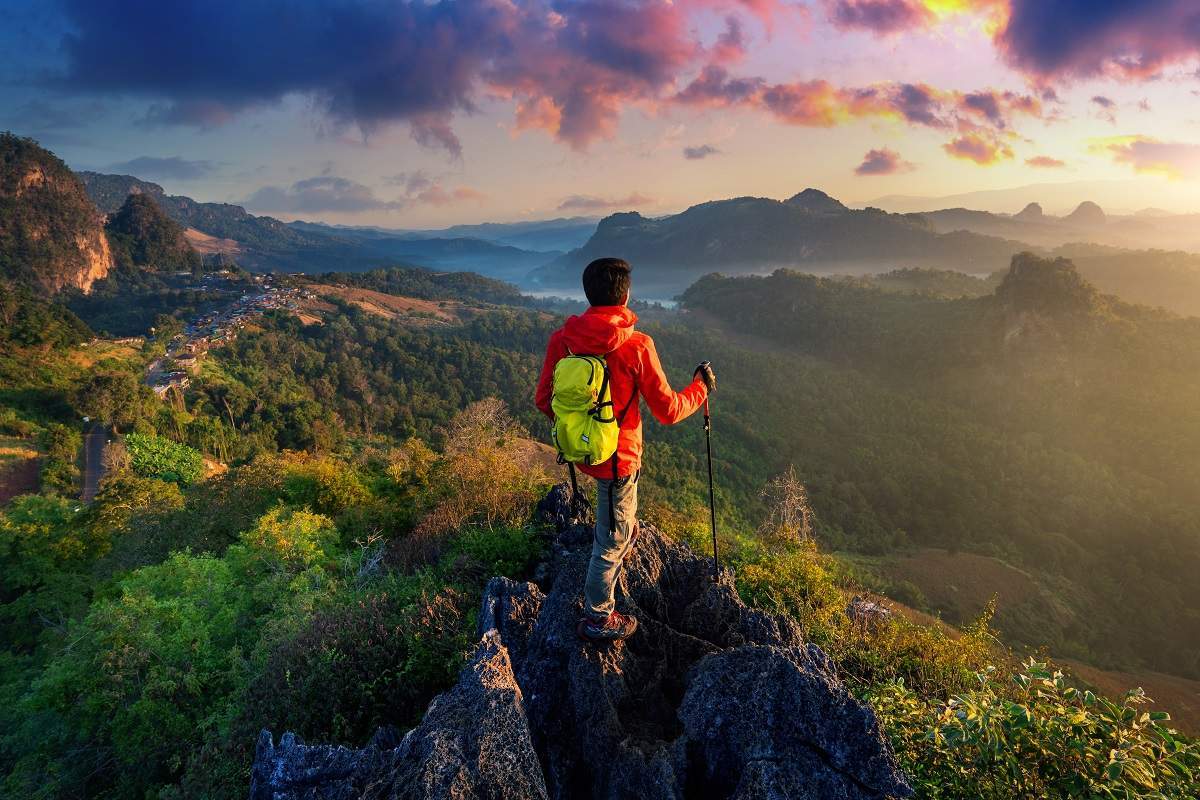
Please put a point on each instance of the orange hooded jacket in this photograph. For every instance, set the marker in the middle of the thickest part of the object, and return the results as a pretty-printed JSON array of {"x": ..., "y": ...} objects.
[{"x": 634, "y": 369}]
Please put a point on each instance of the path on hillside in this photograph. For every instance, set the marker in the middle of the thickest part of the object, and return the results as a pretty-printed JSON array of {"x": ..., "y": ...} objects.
[{"x": 93, "y": 460}]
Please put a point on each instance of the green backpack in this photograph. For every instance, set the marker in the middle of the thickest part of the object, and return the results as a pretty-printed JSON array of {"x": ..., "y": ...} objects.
[{"x": 585, "y": 427}]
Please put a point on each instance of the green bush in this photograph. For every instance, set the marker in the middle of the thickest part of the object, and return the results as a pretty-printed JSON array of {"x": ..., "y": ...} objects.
[
  {"x": 61, "y": 445},
  {"x": 499, "y": 551},
  {"x": 1036, "y": 738},
  {"x": 155, "y": 457}
]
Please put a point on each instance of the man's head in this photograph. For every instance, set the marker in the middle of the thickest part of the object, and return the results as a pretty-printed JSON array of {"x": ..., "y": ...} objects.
[{"x": 606, "y": 281}]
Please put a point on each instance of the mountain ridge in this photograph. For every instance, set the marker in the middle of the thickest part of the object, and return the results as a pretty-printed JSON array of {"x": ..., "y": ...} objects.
[{"x": 755, "y": 234}]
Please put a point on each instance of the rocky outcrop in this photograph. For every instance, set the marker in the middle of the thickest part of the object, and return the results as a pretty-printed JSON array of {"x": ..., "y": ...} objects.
[
  {"x": 51, "y": 236},
  {"x": 708, "y": 699}
]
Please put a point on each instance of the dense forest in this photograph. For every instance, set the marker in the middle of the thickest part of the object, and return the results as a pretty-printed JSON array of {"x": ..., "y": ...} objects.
[
  {"x": 1045, "y": 424},
  {"x": 299, "y": 540}
]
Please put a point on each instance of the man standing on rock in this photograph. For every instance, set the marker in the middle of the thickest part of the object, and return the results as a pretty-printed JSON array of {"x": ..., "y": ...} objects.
[{"x": 606, "y": 329}]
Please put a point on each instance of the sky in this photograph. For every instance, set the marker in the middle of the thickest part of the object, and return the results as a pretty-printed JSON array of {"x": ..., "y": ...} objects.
[{"x": 424, "y": 114}]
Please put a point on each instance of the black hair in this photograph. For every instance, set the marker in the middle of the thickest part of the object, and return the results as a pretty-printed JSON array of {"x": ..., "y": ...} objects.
[{"x": 606, "y": 281}]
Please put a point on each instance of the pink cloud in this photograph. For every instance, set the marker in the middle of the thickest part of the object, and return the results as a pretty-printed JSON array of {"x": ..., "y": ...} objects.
[
  {"x": 587, "y": 202},
  {"x": 982, "y": 150},
  {"x": 883, "y": 162},
  {"x": 879, "y": 16},
  {"x": 1045, "y": 162},
  {"x": 1146, "y": 154}
]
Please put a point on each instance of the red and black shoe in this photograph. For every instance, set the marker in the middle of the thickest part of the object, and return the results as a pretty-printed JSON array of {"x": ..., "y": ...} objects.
[{"x": 613, "y": 628}]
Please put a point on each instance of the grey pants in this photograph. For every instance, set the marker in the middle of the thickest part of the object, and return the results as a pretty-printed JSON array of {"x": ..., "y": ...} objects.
[{"x": 610, "y": 542}]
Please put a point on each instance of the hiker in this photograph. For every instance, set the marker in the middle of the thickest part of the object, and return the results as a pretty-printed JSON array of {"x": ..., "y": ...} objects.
[{"x": 606, "y": 330}]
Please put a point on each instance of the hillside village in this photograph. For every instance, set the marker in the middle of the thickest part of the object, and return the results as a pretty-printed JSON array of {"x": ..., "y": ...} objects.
[{"x": 185, "y": 351}]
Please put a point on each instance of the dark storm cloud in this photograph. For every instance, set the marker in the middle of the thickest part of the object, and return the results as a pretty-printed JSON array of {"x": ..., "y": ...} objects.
[
  {"x": 170, "y": 168},
  {"x": 570, "y": 64},
  {"x": 1084, "y": 38}
]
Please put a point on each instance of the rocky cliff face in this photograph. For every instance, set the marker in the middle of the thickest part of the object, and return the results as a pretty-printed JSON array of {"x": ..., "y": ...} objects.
[
  {"x": 708, "y": 699},
  {"x": 51, "y": 236}
]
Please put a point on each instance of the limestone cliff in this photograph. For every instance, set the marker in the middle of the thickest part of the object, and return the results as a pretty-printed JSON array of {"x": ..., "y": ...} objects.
[{"x": 51, "y": 235}]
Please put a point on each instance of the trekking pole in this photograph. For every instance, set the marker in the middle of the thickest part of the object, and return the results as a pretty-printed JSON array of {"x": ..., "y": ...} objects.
[{"x": 712, "y": 497}]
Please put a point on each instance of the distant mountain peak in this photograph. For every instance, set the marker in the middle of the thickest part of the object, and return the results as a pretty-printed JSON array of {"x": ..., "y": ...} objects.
[
  {"x": 816, "y": 201},
  {"x": 1087, "y": 213},
  {"x": 1030, "y": 213}
]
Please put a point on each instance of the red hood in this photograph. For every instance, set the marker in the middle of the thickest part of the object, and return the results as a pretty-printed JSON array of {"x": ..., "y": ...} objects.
[{"x": 599, "y": 330}]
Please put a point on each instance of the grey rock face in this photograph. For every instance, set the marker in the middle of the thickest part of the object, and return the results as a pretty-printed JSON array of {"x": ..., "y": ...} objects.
[
  {"x": 473, "y": 743},
  {"x": 708, "y": 699}
]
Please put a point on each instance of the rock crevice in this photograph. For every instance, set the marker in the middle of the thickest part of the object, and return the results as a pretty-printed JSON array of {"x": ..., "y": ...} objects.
[{"x": 709, "y": 698}]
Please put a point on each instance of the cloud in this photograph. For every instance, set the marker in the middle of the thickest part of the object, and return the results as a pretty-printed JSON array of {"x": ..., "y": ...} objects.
[
  {"x": 1106, "y": 107},
  {"x": 169, "y": 168},
  {"x": 883, "y": 162},
  {"x": 585, "y": 202},
  {"x": 980, "y": 149},
  {"x": 1045, "y": 162},
  {"x": 39, "y": 115},
  {"x": 715, "y": 87},
  {"x": 569, "y": 68},
  {"x": 413, "y": 181},
  {"x": 732, "y": 44},
  {"x": 436, "y": 195},
  {"x": 1085, "y": 39},
  {"x": 879, "y": 16},
  {"x": 320, "y": 194},
  {"x": 1150, "y": 155},
  {"x": 697, "y": 152},
  {"x": 981, "y": 119}
]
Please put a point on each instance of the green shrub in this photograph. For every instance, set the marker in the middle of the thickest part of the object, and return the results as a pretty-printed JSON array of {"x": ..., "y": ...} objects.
[
  {"x": 370, "y": 660},
  {"x": 499, "y": 551},
  {"x": 1036, "y": 738},
  {"x": 155, "y": 457},
  {"x": 61, "y": 445}
]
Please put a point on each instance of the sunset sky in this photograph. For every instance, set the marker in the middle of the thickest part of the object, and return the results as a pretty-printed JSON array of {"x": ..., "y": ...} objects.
[{"x": 426, "y": 114}]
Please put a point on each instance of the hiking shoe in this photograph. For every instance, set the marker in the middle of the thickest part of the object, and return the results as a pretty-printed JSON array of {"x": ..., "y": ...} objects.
[{"x": 613, "y": 628}]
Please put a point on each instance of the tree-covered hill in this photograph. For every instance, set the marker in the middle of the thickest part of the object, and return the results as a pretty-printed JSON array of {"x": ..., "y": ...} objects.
[
  {"x": 143, "y": 237},
  {"x": 51, "y": 236},
  {"x": 1052, "y": 429}
]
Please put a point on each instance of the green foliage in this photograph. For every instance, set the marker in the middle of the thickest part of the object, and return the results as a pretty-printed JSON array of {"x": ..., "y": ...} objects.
[
  {"x": 143, "y": 236},
  {"x": 60, "y": 444},
  {"x": 499, "y": 551},
  {"x": 430, "y": 285},
  {"x": 158, "y": 457},
  {"x": 112, "y": 396},
  {"x": 900, "y": 414},
  {"x": 27, "y": 320},
  {"x": 1037, "y": 737},
  {"x": 324, "y": 485}
]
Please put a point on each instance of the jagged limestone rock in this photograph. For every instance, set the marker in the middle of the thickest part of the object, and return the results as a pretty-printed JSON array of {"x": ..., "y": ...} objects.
[
  {"x": 708, "y": 699},
  {"x": 473, "y": 743}
]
